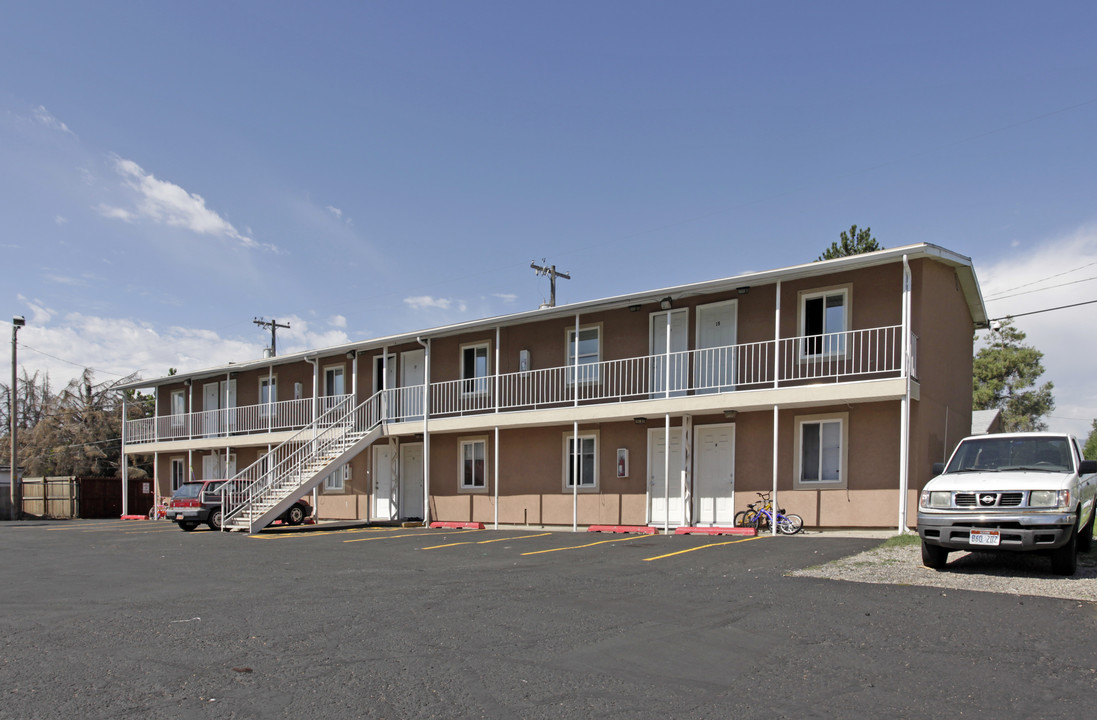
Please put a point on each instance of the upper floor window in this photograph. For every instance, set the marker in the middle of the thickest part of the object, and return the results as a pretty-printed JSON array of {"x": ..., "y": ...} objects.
[
  {"x": 268, "y": 394},
  {"x": 589, "y": 349},
  {"x": 824, "y": 319},
  {"x": 475, "y": 368},
  {"x": 178, "y": 408}
]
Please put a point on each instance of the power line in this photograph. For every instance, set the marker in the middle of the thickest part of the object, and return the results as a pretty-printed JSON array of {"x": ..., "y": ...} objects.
[
  {"x": 70, "y": 362},
  {"x": 1049, "y": 287},
  {"x": 1037, "y": 312},
  {"x": 1034, "y": 282}
]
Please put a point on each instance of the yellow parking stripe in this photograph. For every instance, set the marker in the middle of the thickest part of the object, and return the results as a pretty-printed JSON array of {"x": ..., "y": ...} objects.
[
  {"x": 317, "y": 533},
  {"x": 702, "y": 547},
  {"x": 577, "y": 547},
  {"x": 483, "y": 542},
  {"x": 418, "y": 534}
]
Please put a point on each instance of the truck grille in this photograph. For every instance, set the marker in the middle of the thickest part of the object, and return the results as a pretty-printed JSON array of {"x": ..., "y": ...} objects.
[{"x": 989, "y": 499}]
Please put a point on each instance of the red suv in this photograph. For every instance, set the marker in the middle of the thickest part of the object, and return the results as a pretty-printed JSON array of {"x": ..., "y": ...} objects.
[{"x": 199, "y": 502}]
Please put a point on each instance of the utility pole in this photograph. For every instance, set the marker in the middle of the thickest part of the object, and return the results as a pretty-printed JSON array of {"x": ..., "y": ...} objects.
[
  {"x": 273, "y": 325},
  {"x": 16, "y": 490},
  {"x": 550, "y": 270}
]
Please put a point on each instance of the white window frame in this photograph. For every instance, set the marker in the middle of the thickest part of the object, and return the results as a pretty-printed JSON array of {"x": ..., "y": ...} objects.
[
  {"x": 842, "y": 419},
  {"x": 584, "y": 435},
  {"x": 462, "y": 443},
  {"x": 341, "y": 370},
  {"x": 178, "y": 419},
  {"x": 379, "y": 370},
  {"x": 475, "y": 384},
  {"x": 590, "y": 372},
  {"x": 181, "y": 477},
  {"x": 836, "y": 345},
  {"x": 336, "y": 481},
  {"x": 265, "y": 408}
]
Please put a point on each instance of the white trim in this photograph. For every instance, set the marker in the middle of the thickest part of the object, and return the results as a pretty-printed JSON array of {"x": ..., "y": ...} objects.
[
  {"x": 336, "y": 480},
  {"x": 461, "y": 444},
  {"x": 842, "y": 418}
]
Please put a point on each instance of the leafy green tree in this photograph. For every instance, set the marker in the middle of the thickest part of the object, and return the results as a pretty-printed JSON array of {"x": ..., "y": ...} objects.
[
  {"x": 854, "y": 242},
  {"x": 1090, "y": 450},
  {"x": 1006, "y": 371}
]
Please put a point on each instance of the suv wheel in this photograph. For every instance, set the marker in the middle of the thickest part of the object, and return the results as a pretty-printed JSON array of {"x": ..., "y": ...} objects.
[
  {"x": 215, "y": 519},
  {"x": 934, "y": 556}
]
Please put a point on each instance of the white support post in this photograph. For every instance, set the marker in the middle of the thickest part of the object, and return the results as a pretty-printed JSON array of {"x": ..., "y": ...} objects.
[
  {"x": 496, "y": 477},
  {"x": 776, "y": 415},
  {"x": 123, "y": 468},
  {"x": 426, "y": 429},
  {"x": 777, "y": 337},
  {"x": 904, "y": 409},
  {"x": 574, "y": 470},
  {"x": 666, "y": 472}
]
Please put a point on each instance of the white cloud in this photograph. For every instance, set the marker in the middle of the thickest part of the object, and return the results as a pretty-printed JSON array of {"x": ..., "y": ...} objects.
[
  {"x": 166, "y": 203},
  {"x": 338, "y": 321},
  {"x": 334, "y": 211},
  {"x": 506, "y": 297},
  {"x": 423, "y": 302},
  {"x": 43, "y": 116},
  {"x": 60, "y": 219},
  {"x": 40, "y": 314},
  {"x": 1047, "y": 275}
]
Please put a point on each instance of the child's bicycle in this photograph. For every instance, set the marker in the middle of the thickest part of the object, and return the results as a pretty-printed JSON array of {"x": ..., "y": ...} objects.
[
  {"x": 159, "y": 510},
  {"x": 761, "y": 518}
]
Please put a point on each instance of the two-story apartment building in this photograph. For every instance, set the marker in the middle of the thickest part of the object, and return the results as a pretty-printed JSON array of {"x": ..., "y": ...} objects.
[{"x": 836, "y": 384}]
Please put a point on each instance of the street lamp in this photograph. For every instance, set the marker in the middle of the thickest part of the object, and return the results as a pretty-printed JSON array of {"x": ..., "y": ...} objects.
[{"x": 16, "y": 492}]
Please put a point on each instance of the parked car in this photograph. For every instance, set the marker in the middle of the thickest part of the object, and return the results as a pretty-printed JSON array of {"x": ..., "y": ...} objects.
[
  {"x": 1010, "y": 492},
  {"x": 199, "y": 503}
]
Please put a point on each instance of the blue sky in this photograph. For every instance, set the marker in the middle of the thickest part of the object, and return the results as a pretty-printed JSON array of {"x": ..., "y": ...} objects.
[{"x": 169, "y": 172}]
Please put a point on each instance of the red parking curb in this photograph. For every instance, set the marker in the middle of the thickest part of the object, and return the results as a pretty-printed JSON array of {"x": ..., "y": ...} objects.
[
  {"x": 134, "y": 517},
  {"x": 641, "y": 529},
  {"x": 716, "y": 531},
  {"x": 456, "y": 525}
]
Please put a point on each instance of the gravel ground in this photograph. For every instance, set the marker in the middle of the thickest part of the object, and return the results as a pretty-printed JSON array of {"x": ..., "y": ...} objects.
[{"x": 1007, "y": 573}]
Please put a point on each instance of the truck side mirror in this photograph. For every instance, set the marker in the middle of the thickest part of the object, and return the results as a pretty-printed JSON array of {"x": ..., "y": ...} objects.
[
  {"x": 1087, "y": 467},
  {"x": 938, "y": 468}
]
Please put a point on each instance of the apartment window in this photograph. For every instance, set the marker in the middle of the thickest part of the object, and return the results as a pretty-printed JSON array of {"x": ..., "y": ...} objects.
[
  {"x": 588, "y": 461},
  {"x": 821, "y": 450},
  {"x": 178, "y": 473},
  {"x": 475, "y": 368},
  {"x": 589, "y": 349},
  {"x": 178, "y": 408},
  {"x": 268, "y": 394},
  {"x": 337, "y": 481},
  {"x": 473, "y": 454},
  {"x": 334, "y": 383},
  {"x": 824, "y": 318}
]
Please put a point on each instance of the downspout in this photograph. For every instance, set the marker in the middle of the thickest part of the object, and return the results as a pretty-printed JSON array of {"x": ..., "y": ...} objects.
[
  {"x": 426, "y": 431},
  {"x": 904, "y": 412},
  {"x": 315, "y": 362},
  {"x": 155, "y": 455}
]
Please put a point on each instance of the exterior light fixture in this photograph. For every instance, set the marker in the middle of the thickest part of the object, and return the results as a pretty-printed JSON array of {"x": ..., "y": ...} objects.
[
  {"x": 731, "y": 414},
  {"x": 743, "y": 290},
  {"x": 634, "y": 308},
  {"x": 640, "y": 420},
  {"x": 665, "y": 303}
]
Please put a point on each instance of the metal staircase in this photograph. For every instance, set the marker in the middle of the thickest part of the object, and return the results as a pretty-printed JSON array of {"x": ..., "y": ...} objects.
[{"x": 260, "y": 493}]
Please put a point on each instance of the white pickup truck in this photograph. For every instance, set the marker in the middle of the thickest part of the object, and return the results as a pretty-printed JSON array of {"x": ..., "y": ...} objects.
[{"x": 1014, "y": 491}]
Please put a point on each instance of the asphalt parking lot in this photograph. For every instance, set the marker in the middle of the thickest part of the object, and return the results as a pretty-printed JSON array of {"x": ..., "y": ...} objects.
[{"x": 106, "y": 619}]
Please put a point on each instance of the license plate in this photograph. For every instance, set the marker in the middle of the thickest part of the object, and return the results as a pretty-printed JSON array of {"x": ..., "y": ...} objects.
[{"x": 984, "y": 537}]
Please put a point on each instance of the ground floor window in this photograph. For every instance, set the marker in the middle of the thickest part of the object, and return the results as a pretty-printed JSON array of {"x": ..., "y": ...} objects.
[
  {"x": 473, "y": 471},
  {"x": 178, "y": 473},
  {"x": 337, "y": 481},
  {"x": 587, "y": 454},
  {"x": 821, "y": 450}
]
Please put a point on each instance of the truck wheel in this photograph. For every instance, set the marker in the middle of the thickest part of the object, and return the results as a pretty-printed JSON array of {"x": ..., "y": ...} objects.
[
  {"x": 1085, "y": 538},
  {"x": 1064, "y": 560},
  {"x": 188, "y": 525},
  {"x": 215, "y": 519},
  {"x": 295, "y": 515},
  {"x": 934, "y": 556}
]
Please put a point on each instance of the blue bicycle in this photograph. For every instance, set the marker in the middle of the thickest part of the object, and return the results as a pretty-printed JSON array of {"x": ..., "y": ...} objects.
[{"x": 762, "y": 518}]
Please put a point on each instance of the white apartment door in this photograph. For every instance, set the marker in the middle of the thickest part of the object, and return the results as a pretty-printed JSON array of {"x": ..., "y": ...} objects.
[
  {"x": 714, "y": 364},
  {"x": 215, "y": 466},
  {"x": 412, "y": 375},
  {"x": 384, "y": 487},
  {"x": 714, "y": 475},
  {"x": 665, "y": 505},
  {"x": 411, "y": 480},
  {"x": 679, "y": 363}
]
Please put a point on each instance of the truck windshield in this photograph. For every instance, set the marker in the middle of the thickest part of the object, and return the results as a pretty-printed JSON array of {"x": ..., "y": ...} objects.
[{"x": 1047, "y": 454}]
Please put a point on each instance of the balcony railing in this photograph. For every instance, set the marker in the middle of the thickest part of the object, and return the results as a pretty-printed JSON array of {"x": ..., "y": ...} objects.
[{"x": 836, "y": 357}]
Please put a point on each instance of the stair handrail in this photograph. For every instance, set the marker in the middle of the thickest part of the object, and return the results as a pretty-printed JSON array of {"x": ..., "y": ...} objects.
[{"x": 294, "y": 452}]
